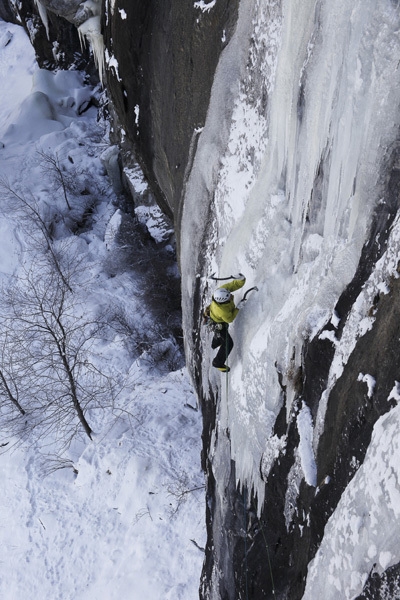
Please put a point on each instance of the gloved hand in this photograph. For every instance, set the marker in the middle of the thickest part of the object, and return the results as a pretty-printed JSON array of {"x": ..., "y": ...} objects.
[
  {"x": 241, "y": 304},
  {"x": 239, "y": 276}
]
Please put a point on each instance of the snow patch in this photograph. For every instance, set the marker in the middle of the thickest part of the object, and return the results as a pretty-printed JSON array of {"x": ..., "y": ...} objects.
[
  {"x": 370, "y": 381},
  {"x": 328, "y": 335},
  {"x": 305, "y": 428},
  {"x": 335, "y": 320},
  {"x": 112, "y": 63},
  {"x": 153, "y": 218},
  {"x": 274, "y": 447},
  {"x": 395, "y": 393},
  {"x": 112, "y": 230},
  {"x": 205, "y": 6}
]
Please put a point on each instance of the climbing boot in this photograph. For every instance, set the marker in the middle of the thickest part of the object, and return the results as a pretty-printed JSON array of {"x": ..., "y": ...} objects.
[{"x": 223, "y": 369}]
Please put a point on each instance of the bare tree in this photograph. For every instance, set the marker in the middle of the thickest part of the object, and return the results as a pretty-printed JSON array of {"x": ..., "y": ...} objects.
[
  {"x": 52, "y": 167},
  {"x": 55, "y": 347},
  {"x": 80, "y": 193},
  {"x": 37, "y": 228},
  {"x": 9, "y": 387},
  {"x": 48, "y": 371}
]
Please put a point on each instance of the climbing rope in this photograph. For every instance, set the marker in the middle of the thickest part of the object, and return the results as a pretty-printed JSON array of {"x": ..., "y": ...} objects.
[
  {"x": 245, "y": 547},
  {"x": 245, "y": 540},
  {"x": 269, "y": 558},
  {"x": 226, "y": 383}
]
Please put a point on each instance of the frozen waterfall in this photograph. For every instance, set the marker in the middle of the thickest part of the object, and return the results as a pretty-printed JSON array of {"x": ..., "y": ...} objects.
[{"x": 288, "y": 171}]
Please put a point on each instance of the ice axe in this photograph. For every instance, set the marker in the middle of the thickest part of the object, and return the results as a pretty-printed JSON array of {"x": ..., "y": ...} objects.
[
  {"x": 252, "y": 289},
  {"x": 222, "y": 278}
]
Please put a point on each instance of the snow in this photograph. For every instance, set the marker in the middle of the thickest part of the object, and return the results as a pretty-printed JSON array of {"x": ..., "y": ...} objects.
[
  {"x": 121, "y": 516},
  {"x": 395, "y": 393},
  {"x": 276, "y": 446},
  {"x": 153, "y": 218},
  {"x": 305, "y": 427},
  {"x": 112, "y": 229},
  {"x": 17, "y": 59},
  {"x": 110, "y": 530},
  {"x": 370, "y": 381},
  {"x": 112, "y": 63},
  {"x": 205, "y": 6},
  {"x": 136, "y": 109}
]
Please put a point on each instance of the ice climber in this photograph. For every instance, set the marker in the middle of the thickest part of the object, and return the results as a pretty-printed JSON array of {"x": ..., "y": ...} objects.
[{"x": 219, "y": 314}]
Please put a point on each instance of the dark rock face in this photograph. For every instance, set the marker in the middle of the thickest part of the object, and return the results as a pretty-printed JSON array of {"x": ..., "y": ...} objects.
[
  {"x": 167, "y": 52},
  {"x": 61, "y": 48},
  {"x": 6, "y": 12},
  {"x": 383, "y": 587}
]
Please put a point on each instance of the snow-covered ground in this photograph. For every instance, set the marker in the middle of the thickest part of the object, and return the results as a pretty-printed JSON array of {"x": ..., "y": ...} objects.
[
  {"x": 303, "y": 117},
  {"x": 121, "y": 516}
]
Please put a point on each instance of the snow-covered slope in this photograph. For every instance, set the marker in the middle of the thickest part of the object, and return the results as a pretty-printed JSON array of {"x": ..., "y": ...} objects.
[{"x": 120, "y": 516}]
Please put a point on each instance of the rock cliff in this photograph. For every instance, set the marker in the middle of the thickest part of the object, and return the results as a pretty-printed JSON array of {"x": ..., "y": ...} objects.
[{"x": 161, "y": 59}]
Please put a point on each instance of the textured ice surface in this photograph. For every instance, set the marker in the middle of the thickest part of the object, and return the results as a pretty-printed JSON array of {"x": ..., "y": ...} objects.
[{"x": 304, "y": 104}]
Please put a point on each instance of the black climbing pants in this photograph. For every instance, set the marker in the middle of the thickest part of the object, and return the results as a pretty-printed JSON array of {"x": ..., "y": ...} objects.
[{"x": 224, "y": 342}]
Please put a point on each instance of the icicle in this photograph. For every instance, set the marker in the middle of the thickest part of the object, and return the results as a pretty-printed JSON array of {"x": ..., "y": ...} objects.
[
  {"x": 90, "y": 30},
  {"x": 203, "y": 6},
  {"x": 43, "y": 16}
]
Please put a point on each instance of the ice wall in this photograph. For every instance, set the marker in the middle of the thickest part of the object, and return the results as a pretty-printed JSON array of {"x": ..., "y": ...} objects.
[{"x": 288, "y": 171}]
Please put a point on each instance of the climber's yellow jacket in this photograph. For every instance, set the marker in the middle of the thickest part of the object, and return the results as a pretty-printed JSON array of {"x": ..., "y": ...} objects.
[{"x": 225, "y": 313}]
